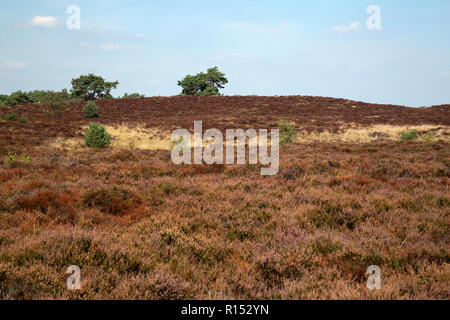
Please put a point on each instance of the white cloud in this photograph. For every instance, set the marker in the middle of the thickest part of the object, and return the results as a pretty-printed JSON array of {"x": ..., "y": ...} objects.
[
  {"x": 353, "y": 26},
  {"x": 46, "y": 22},
  {"x": 111, "y": 46},
  {"x": 13, "y": 65}
]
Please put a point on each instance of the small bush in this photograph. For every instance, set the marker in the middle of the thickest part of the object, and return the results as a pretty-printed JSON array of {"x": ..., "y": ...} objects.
[
  {"x": 23, "y": 120},
  {"x": 409, "y": 135},
  {"x": 429, "y": 136},
  {"x": 90, "y": 110},
  {"x": 97, "y": 136},
  {"x": 287, "y": 132},
  {"x": 11, "y": 116},
  {"x": 14, "y": 158}
]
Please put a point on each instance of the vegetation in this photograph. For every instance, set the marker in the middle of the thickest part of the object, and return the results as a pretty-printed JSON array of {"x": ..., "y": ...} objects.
[
  {"x": 133, "y": 95},
  {"x": 3, "y": 100},
  {"x": 249, "y": 237},
  {"x": 204, "y": 84},
  {"x": 92, "y": 87},
  {"x": 11, "y": 116},
  {"x": 35, "y": 96},
  {"x": 18, "y": 97},
  {"x": 13, "y": 158},
  {"x": 429, "y": 136},
  {"x": 90, "y": 110},
  {"x": 141, "y": 227},
  {"x": 54, "y": 103},
  {"x": 96, "y": 136},
  {"x": 409, "y": 135},
  {"x": 287, "y": 132}
]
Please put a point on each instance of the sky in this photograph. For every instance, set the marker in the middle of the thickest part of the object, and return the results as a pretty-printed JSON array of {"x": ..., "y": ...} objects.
[{"x": 265, "y": 47}]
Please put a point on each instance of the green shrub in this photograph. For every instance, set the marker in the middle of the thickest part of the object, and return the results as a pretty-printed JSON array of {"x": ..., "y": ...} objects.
[
  {"x": 429, "y": 136},
  {"x": 133, "y": 95},
  {"x": 23, "y": 120},
  {"x": 11, "y": 116},
  {"x": 409, "y": 135},
  {"x": 97, "y": 136},
  {"x": 204, "y": 84},
  {"x": 3, "y": 100},
  {"x": 13, "y": 158},
  {"x": 55, "y": 103},
  {"x": 92, "y": 87},
  {"x": 18, "y": 97},
  {"x": 287, "y": 132},
  {"x": 90, "y": 110}
]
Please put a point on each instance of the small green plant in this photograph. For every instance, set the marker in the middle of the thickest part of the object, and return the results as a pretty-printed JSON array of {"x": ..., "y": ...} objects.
[
  {"x": 409, "y": 135},
  {"x": 11, "y": 116},
  {"x": 97, "y": 137},
  {"x": 429, "y": 136},
  {"x": 90, "y": 110},
  {"x": 287, "y": 132},
  {"x": 32, "y": 118},
  {"x": 13, "y": 158},
  {"x": 23, "y": 120}
]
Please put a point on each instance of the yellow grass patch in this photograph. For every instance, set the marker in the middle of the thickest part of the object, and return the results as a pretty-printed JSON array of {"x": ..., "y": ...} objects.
[
  {"x": 122, "y": 137},
  {"x": 359, "y": 134},
  {"x": 141, "y": 138}
]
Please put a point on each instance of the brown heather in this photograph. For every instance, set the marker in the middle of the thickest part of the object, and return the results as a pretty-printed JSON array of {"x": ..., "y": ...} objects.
[{"x": 142, "y": 228}]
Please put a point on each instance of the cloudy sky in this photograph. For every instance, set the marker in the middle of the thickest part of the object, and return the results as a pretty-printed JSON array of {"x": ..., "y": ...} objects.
[{"x": 286, "y": 47}]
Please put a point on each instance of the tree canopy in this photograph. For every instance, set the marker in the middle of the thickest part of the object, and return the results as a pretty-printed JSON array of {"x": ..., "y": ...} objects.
[
  {"x": 204, "y": 84},
  {"x": 91, "y": 87}
]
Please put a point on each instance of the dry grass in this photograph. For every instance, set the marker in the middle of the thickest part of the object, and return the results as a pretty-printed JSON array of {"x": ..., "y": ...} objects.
[
  {"x": 136, "y": 137},
  {"x": 123, "y": 136},
  {"x": 364, "y": 134}
]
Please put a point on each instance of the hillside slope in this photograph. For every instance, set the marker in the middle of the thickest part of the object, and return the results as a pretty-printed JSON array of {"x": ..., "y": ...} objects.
[{"x": 310, "y": 114}]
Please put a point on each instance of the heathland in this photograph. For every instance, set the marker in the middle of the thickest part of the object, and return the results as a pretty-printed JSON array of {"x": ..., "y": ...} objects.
[{"x": 361, "y": 184}]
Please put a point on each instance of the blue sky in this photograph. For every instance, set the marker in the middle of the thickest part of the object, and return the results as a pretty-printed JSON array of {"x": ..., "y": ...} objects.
[{"x": 290, "y": 47}]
